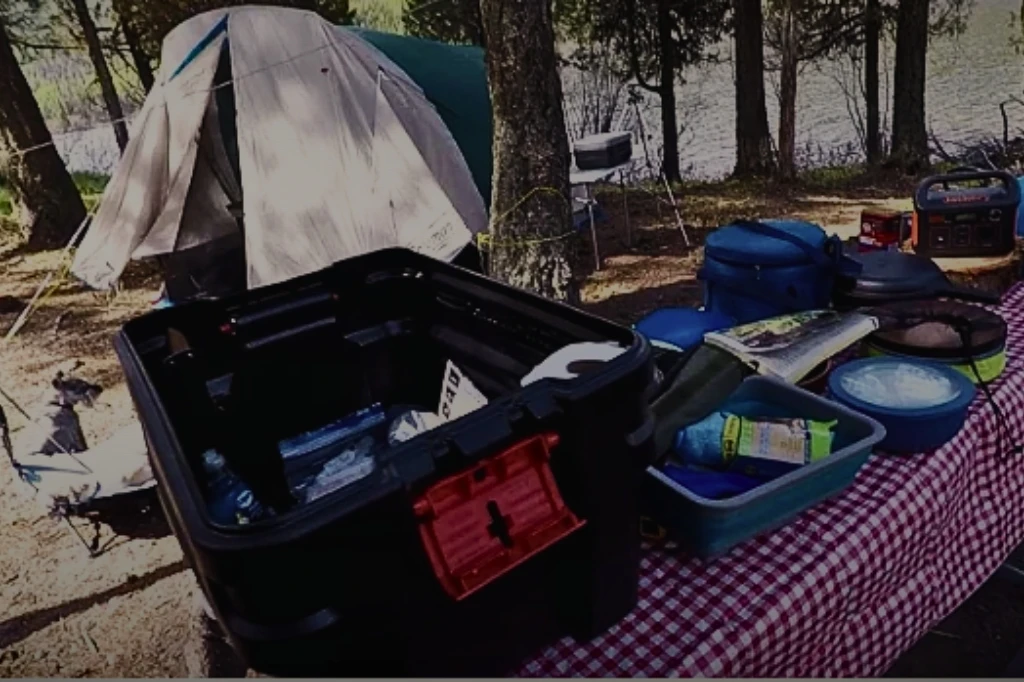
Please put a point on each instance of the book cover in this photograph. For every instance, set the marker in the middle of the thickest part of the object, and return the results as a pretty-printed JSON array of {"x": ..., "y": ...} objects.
[{"x": 790, "y": 346}]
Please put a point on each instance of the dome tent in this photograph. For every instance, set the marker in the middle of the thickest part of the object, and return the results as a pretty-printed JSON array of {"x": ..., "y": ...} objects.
[
  {"x": 454, "y": 79},
  {"x": 273, "y": 145}
]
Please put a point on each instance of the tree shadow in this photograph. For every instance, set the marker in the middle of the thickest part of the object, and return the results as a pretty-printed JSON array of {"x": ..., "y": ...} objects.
[
  {"x": 628, "y": 308},
  {"x": 15, "y": 629}
]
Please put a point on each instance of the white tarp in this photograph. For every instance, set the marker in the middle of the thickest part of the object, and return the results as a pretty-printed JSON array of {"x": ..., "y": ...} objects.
[
  {"x": 340, "y": 153},
  {"x": 117, "y": 465}
]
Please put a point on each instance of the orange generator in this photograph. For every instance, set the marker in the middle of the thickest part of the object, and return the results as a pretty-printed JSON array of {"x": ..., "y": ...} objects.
[{"x": 967, "y": 213}]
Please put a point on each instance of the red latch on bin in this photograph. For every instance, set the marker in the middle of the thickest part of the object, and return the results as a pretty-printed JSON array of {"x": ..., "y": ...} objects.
[{"x": 479, "y": 524}]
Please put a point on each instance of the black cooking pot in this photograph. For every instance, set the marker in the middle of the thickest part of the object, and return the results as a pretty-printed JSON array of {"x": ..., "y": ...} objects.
[{"x": 888, "y": 276}]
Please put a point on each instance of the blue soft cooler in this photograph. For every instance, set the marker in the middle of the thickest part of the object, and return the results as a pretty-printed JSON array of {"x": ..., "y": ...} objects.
[
  {"x": 681, "y": 328},
  {"x": 756, "y": 270}
]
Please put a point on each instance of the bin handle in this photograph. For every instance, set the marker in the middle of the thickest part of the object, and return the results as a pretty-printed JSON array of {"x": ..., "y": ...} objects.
[{"x": 1009, "y": 183}]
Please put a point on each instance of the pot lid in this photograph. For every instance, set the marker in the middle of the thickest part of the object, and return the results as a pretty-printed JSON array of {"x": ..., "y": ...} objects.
[
  {"x": 888, "y": 273},
  {"x": 929, "y": 329},
  {"x": 899, "y": 386},
  {"x": 738, "y": 245}
]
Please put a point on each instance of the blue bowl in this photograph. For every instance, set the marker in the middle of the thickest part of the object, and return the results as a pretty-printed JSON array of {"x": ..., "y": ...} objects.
[{"x": 921, "y": 424}]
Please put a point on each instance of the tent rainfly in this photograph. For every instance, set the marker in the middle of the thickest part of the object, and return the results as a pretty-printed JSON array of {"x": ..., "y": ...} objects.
[{"x": 289, "y": 141}]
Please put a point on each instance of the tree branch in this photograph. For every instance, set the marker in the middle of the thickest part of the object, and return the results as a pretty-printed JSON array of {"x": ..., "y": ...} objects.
[
  {"x": 29, "y": 45},
  {"x": 634, "y": 55}
]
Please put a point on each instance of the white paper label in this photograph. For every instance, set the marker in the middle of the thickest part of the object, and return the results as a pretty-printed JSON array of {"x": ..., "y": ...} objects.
[{"x": 458, "y": 394}]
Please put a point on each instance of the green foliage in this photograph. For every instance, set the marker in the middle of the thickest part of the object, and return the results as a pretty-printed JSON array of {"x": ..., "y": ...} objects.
[
  {"x": 630, "y": 28},
  {"x": 949, "y": 17},
  {"x": 90, "y": 186},
  {"x": 828, "y": 27},
  {"x": 66, "y": 96},
  {"x": 154, "y": 19},
  {"x": 450, "y": 21},
  {"x": 832, "y": 177},
  {"x": 824, "y": 27},
  {"x": 20, "y": 16},
  {"x": 380, "y": 15}
]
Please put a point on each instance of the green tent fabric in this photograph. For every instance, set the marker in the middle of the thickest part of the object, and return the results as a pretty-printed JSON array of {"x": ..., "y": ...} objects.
[{"x": 454, "y": 80}]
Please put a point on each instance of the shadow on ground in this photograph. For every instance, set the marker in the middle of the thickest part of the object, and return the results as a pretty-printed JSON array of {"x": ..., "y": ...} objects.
[{"x": 16, "y": 629}]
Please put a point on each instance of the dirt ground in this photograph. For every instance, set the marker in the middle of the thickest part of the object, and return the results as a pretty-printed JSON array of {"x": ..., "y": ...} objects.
[
  {"x": 658, "y": 268},
  {"x": 124, "y": 613},
  {"x": 61, "y": 612}
]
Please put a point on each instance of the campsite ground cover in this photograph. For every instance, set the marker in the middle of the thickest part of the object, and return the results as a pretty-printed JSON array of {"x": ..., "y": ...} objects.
[{"x": 125, "y": 612}]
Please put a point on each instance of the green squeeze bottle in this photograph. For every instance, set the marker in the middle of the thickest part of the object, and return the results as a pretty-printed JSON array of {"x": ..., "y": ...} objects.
[{"x": 760, "y": 447}]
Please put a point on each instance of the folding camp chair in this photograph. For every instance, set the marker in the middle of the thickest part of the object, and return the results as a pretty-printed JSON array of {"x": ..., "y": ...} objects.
[{"x": 122, "y": 507}]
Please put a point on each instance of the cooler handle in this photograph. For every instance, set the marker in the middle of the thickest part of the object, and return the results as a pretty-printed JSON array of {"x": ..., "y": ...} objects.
[
  {"x": 962, "y": 173},
  {"x": 830, "y": 257}
]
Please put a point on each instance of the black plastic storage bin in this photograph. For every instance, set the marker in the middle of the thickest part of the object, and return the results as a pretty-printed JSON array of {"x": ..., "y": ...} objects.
[{"x": 344, "y": 585}]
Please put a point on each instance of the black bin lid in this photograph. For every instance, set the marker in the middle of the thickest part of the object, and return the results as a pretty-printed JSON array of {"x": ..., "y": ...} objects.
[{"x": 892, "y": 275}]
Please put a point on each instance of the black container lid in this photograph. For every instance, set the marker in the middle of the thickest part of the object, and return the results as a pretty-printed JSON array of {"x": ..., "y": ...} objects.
[{"x": 894, "y": 276}]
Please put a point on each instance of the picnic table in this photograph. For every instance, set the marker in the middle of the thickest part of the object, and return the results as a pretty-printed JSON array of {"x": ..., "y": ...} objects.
[{"x": 846, "y": 587}]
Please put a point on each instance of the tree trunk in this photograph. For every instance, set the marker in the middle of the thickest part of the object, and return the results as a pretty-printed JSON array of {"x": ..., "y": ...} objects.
[
  {"x": 99, "y": 63},
  {"x": 787, "y": 93},
  {"x": 873, "y": 118},
  {"x": 667, "y": 91},
  {"x": 909, "y": 133},
  {"x": 50, "y": 207},
  {"x": 474, "y": 18},
  {"x": 530, "y": 210},
  {"x": 143, "y": 64},
  {"x": 753, "y": 140}
]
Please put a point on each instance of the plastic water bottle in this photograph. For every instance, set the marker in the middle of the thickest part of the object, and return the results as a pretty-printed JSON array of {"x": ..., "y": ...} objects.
[
  {"x": 229, "y": 500},
  {"x": 759, "y": 447}
]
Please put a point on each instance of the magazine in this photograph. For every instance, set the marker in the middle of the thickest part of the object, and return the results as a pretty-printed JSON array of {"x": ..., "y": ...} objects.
[{"x": 789, "y": 347}]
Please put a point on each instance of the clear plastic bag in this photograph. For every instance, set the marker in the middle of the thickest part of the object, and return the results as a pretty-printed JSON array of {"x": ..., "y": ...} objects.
[
  {"x": 352, "y": 464},
  {"x": 410, "y": 424}
]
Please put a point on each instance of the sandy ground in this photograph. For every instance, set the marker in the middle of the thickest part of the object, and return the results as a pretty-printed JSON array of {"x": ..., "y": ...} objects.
[{"x": 125, "y": 612}]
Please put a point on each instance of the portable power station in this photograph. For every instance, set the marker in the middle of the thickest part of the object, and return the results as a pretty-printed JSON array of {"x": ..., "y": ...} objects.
[{"x": 966, "y": 214}]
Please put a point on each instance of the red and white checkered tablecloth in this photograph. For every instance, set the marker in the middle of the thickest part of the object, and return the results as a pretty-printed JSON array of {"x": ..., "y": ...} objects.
[{"x": 846, "y": 587}]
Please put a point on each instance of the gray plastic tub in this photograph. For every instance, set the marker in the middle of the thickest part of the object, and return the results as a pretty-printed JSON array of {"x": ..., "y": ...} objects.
[{"x": 708, "y": 528}]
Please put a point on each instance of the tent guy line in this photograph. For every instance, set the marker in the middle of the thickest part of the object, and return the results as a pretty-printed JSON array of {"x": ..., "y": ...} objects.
[{"x": 64, "y": 267}]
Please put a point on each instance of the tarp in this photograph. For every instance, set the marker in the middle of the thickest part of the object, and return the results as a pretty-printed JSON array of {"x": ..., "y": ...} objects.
[{"x": 340, "y": 152}]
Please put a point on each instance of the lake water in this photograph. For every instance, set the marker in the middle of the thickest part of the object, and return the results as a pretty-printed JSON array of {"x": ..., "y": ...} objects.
[{"x": 967, "y": 79}]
